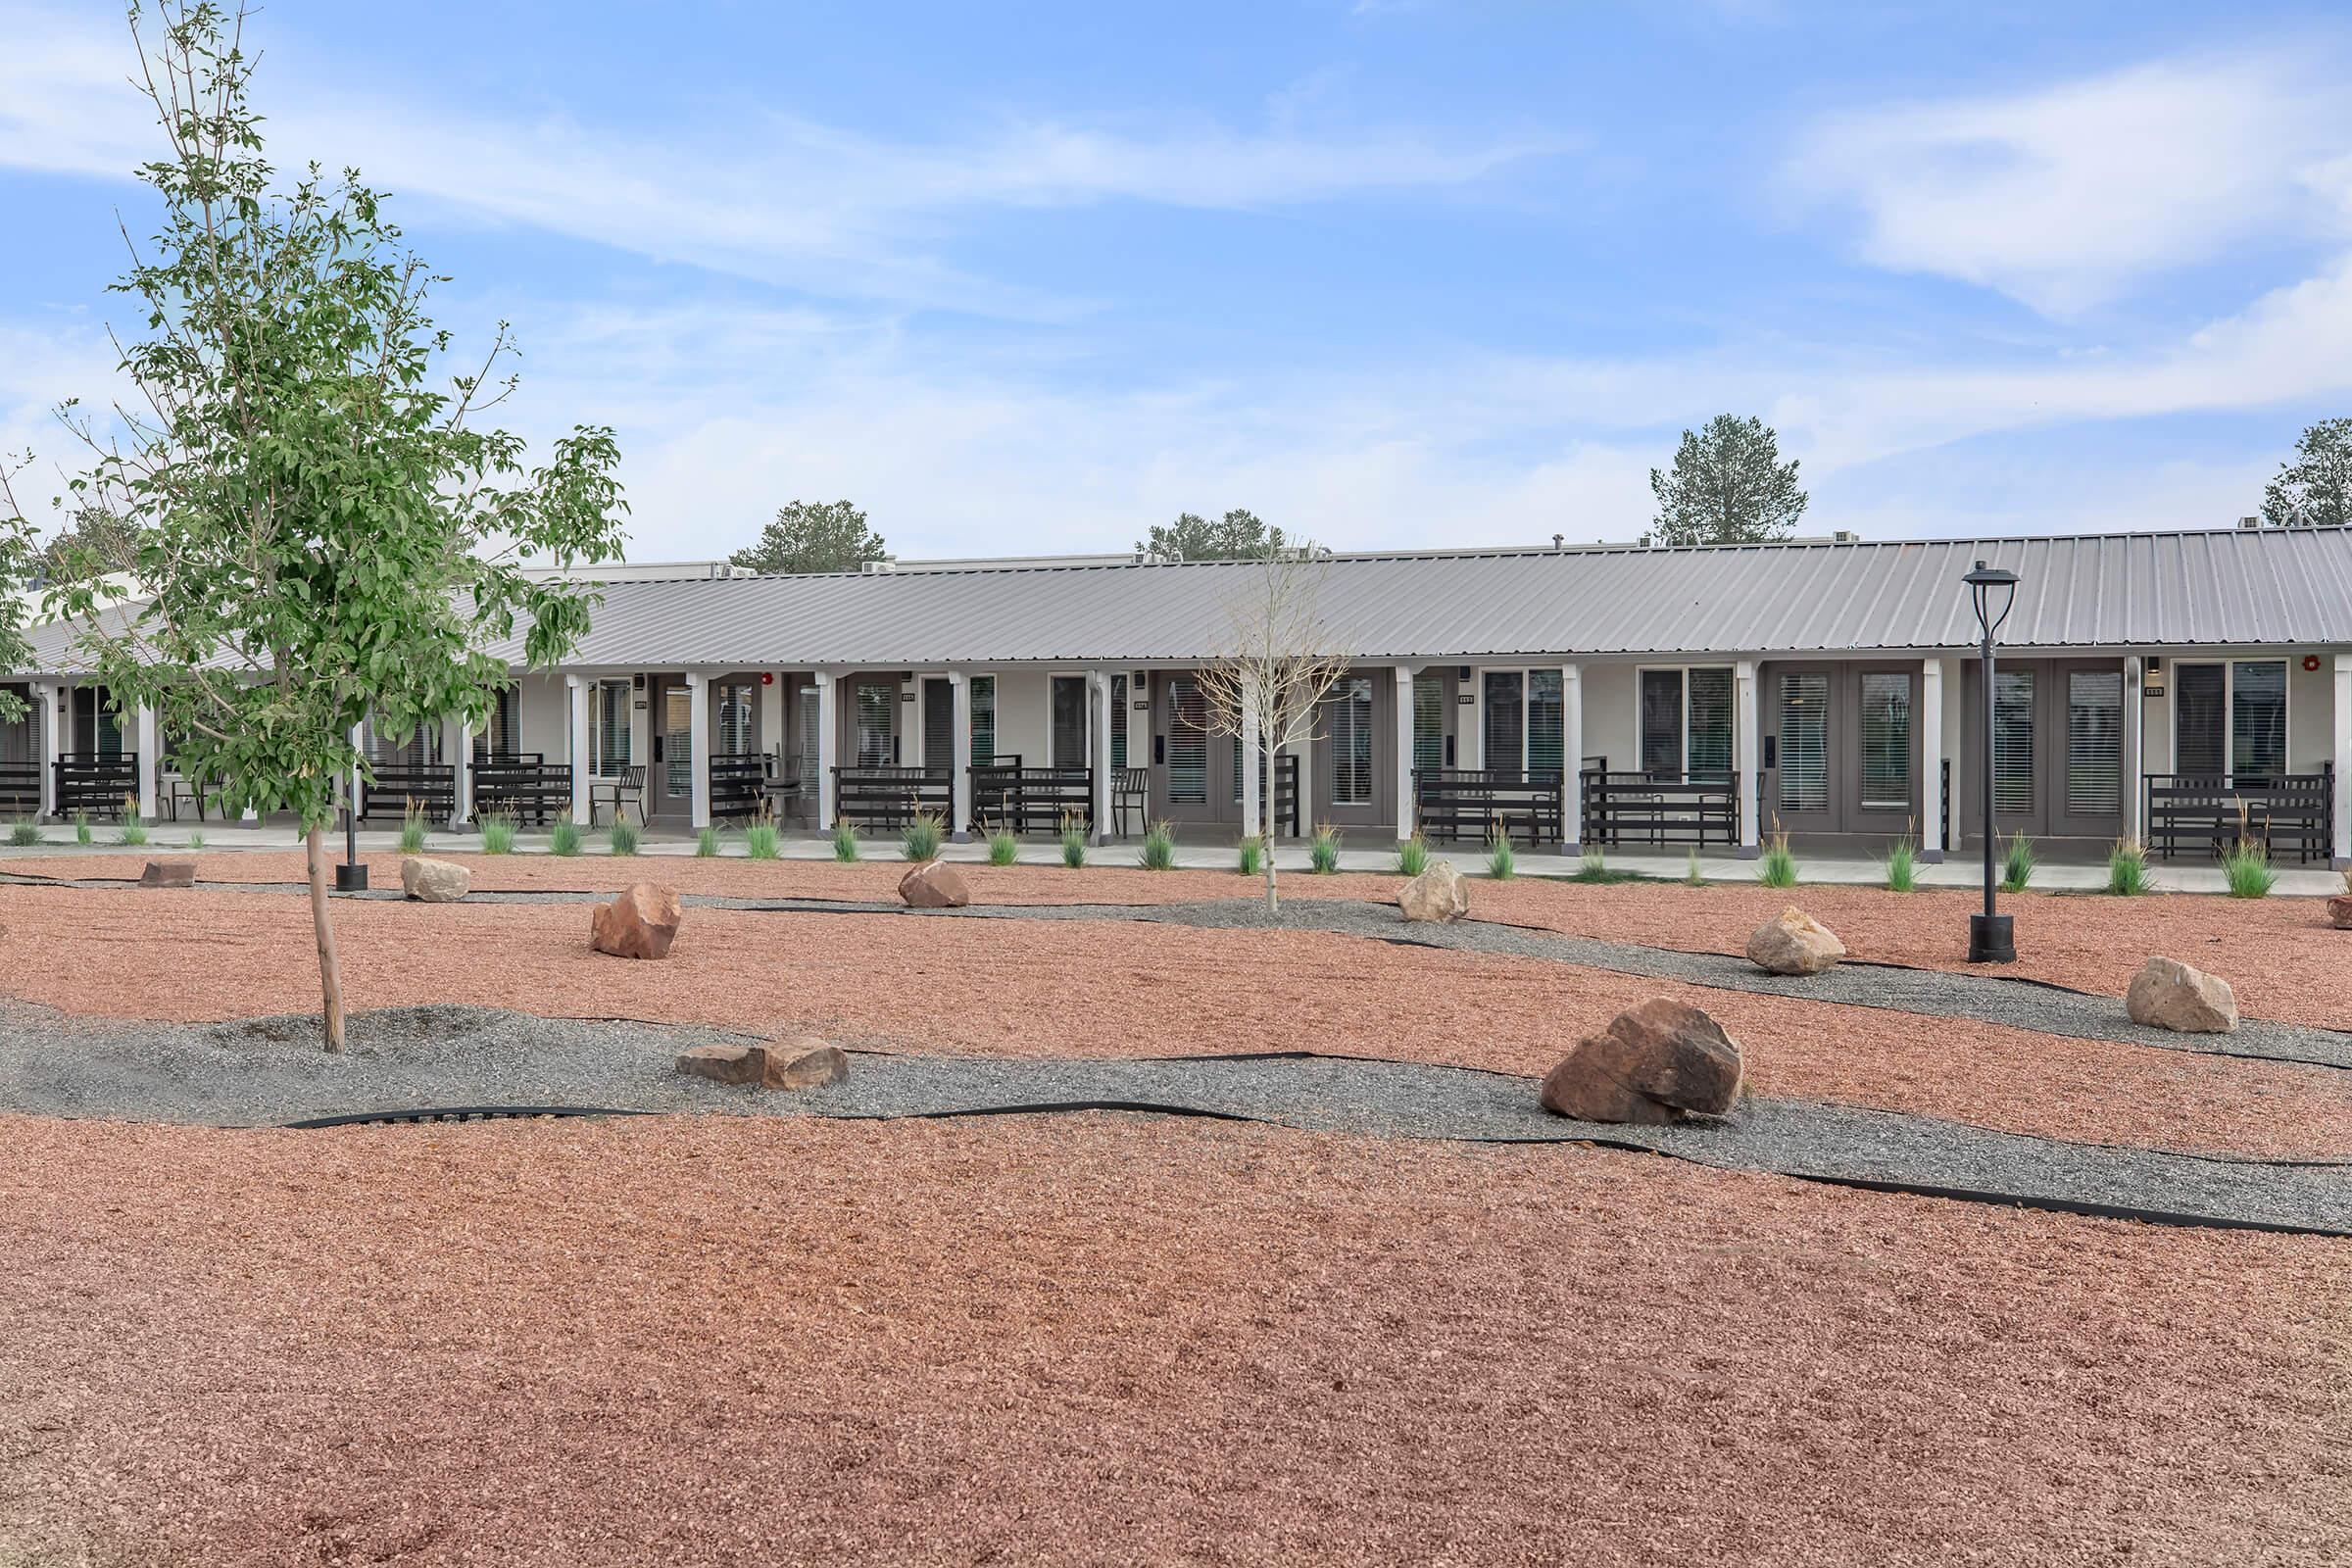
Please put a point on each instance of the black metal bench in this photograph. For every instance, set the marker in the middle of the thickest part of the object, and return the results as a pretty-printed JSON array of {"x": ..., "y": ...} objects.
[
  {"x": 1485, "y": 804},
  {"x": 522, "y": 786},
  {"x": 98, "y": 785},
  {"x": 738, "y": 785},
  {"x": 19, "y": 788},
  {"x": 1032, "y": 799},
  {"x": 2287, "y": 813},
  {"x": 1660, "y": 809},
  {"x": 431, "y": 788},
  {"x": 888, "y": 797}
]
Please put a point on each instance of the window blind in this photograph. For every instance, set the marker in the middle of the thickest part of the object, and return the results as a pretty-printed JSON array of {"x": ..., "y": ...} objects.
[
  {"x": 1351, "y": 743},
  {"x": 1069, "y": 721},
  {"x": 610, "y": 729},
  {"x": 1710, "y": 731},
  {"x": 1885, "y": 740},
  {"x": 1804, "y": 744},
  {"x": 1428, "y": 721},
  {"x": 2258, "y": 721},
  {"x": 2013, "y": 741},
  {"x": 1188, "y": 742},
  {"x": 877, "y": 701},
  {"x": 984, "y": 720},
  {"x": 1118, "y": 722},
  {"x": 738, "y": 718},
  {"x": 1546, "y": 721},
  {"x": 939, "y": 724},
  {"x": 1505, "y": 731},
  {"x": 2095, "y": 742},
  {"x": 2200, "y": 732},
  {"x": 1662, "y": 723}
]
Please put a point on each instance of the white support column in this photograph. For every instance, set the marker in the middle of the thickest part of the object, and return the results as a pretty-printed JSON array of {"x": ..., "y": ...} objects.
[
  {"x": 2134, "y": 678},
  {"x": 150, "y": 765},
  {"x": 828, "y": 745},
  {"x": 1751, "y": 760},
  {"x": 1931, "y": 759},
  {"x": 52, "y": 698},
  {"x": 2342, "y": 742},
  {"x": 697, "y": 741},
  {"x": 460, "y": 763},
  {"x": 1253, "y": 806},
  {"x": 576, "y": 742},
  {"x": 960, "y": 770},
  {"x": 1405, "y": 738},
  {"x": 1572, "y": 758},
  {"x": 1099, "y": 748}
]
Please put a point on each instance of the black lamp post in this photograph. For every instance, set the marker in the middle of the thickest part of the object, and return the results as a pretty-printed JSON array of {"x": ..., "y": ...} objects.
[{"x": 1992, "y": 590}]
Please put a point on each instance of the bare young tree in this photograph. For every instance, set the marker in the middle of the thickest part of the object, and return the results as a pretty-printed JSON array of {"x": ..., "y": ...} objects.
[{"x": 1266, "y": 691}]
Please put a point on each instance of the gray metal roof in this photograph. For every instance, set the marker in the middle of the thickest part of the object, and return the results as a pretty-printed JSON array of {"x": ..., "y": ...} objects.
[{"x": 2145, "y": 590}]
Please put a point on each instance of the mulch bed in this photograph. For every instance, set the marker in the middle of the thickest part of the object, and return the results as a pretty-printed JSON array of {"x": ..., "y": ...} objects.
[
  {"x": 707, "y": 1342},
  {"x": 1120, "y": 988}
]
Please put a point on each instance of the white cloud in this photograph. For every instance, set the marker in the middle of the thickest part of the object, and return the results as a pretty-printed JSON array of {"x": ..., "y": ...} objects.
[{"x": 2064, "y": 196}]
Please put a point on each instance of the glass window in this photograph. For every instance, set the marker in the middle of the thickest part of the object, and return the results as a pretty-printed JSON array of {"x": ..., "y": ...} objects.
[
  {"x": 1804, "y": 744},
  {"x": 1188, "y": 742},
  {"x": 1118, "y": 722},
  {"x": 1505, "y": 721},
  {"x": 496, "y": 737},
  {"x": 2200, "y": 734},
  {"x": 1351, "y": 743},
  {"x": 1662, "y": 723},
  {"x": 2013, "y": 741},
  {"x": 1546, "y": 721},
  {"x": 1885, "y": 740},
  {"x": 1710, "y": 725},
  {"x": 738, "y": 717},
  {"x": 609, "y": 727},
  {"x": 2258, "y": 721},
  {"x": 984, "y": 720},
  {"x": 1428, "y": 720},
  {"x": 938, "y": 725},
  {"x": 2095, "y": 742},
  {"x": 677, "y": 750},
  {"x": 1069, "y": 721},
  {"x": 811, "y": 728},
  {"x": 877, "y": 704}
]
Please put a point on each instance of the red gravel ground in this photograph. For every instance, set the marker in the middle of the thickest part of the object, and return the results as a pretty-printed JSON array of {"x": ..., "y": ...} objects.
[
  {"x": 1096, "y": 1340},
  {"x": 1033, "y": 988},
  {"x": 2280, "y": 955}
]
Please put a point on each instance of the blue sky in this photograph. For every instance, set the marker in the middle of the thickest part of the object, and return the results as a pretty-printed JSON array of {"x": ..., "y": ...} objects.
[{"x": 1030, "y": 278}]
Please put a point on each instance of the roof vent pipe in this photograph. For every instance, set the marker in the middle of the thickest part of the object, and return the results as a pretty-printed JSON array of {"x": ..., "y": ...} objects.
[{"x": 1559, "y": 539}]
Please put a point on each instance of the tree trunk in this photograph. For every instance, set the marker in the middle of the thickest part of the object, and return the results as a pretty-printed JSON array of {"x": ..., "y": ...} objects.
[
  {"x": 1267, "y": 839},
  {"x": 330, "y": 968}
]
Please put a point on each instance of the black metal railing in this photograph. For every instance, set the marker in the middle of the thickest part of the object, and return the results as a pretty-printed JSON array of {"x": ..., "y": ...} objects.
[
  {"x": 19, "y": 788},
  {"x": 739, "y": 784},
  {"x": 887, "y": 795},
  {"x": 1484, "y": 804},
  {"x": 1658, "y": 807},
  {"x": 431, "y": 788},
  {"x": 521, "y": 785},
  {"x": 2205, "y": 815},
  {"x": 1031, "y": 800},
  {"x": 92, "y": 782}
]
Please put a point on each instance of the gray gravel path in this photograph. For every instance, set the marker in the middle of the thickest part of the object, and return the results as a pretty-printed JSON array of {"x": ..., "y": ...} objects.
[
  {"x": 271, "y": 1072},
  {"x": 1928, "y": 992}
]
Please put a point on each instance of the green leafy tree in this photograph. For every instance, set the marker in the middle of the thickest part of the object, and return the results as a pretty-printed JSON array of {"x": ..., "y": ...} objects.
[
  {"x": 1238, "y": 535},
  {"x": 96, "y": 543},
  {"x": 19, "y": 560},
  {"x": 2314, "y": 490},
  {"x": 814, "y": 536},
  {"x": 320, "y": 535},
  {"x": 1728, "y": 486}
]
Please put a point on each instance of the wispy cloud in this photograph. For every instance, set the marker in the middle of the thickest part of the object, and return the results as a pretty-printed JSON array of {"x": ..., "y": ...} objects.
[{"x": 2064, "y": 196}]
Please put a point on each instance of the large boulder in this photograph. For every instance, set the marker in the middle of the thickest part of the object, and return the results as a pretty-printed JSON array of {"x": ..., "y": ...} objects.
[
  {"x": 1654, "y": 1063},
  {"x": 802, "y": 1063},
  {"x": 1792, "y": 942},
  {"x": 1436, "y": 896},
  {"x": 722, "y": 1064},
  {"x": 934, "y": 885},
  {"x": 430, "y": 881},
  {"x": 2168, "y": 994},
  {"x": 641, "y": 923},
  {"x": 2339, "y": 912},
  {"x": 169, "y": 874}
]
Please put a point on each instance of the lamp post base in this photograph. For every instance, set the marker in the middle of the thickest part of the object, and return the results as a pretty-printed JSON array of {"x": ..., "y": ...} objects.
[
  {"x": 1990, "y": 939},
  {"x": 350, "y": 878}
]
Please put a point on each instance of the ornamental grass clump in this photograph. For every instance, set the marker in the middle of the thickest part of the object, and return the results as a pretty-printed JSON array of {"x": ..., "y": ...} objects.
[
  {"x": 2016, "y": 863},
  {"x": 498, "y": 834},
  {"x": 2128, "y": 868},
  {"x": 925, "y": 832},
  {"x": 1073, "y": 843},
  {"x": 1778, "y": 868},
  {"x": 762, "y": 840},
  {"x": 845, "y": 840},
  {"x": 2246, "y": 868},
  {"x": 24, "y": 832},
  {"x": 1004, "y": 848},
  {"x": 1690, "y": 871},
  {"x": 706, "y": 841},
  {"x": 1412, "y": 856},
  {"x": 622, "y": 838},
  {"x": 565, "y": 837},
  {"x": 1902, "y": 866},
  {"x": 195, "y": 841},
  {"x": 1323, "y": 853},
  {"x": 135, "y": 832},
  {"x": 1251, "y": 854},
  {"x": 1160, "y": 847},
  {"x": 1502, "y": 863},
  {"x": 411, "y": 828},
  {"x": 81, "y": 827}
]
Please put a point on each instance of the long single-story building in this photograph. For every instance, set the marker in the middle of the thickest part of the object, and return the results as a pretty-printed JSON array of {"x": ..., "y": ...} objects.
[{"x": 2176, "y": 688}]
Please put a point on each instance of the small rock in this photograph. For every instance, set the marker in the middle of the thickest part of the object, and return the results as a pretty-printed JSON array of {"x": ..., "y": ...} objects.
[
  {"x": 803, "y": 1062},
  {"x": 641, "y": 923},
  {"x": 169, "y": 874},
  {"x": 1436, "y": 896},
  {"x": 430, "y": 881},
  {"x": 2339, "y": 912},
  {"x": 2170, "y": 995},
  {"x": 934, "y": 885},
  {"x": 1656, "y": 1063},
  {"x": 1792, "y": 942},
  {"x": 722, "y": 1064}
]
